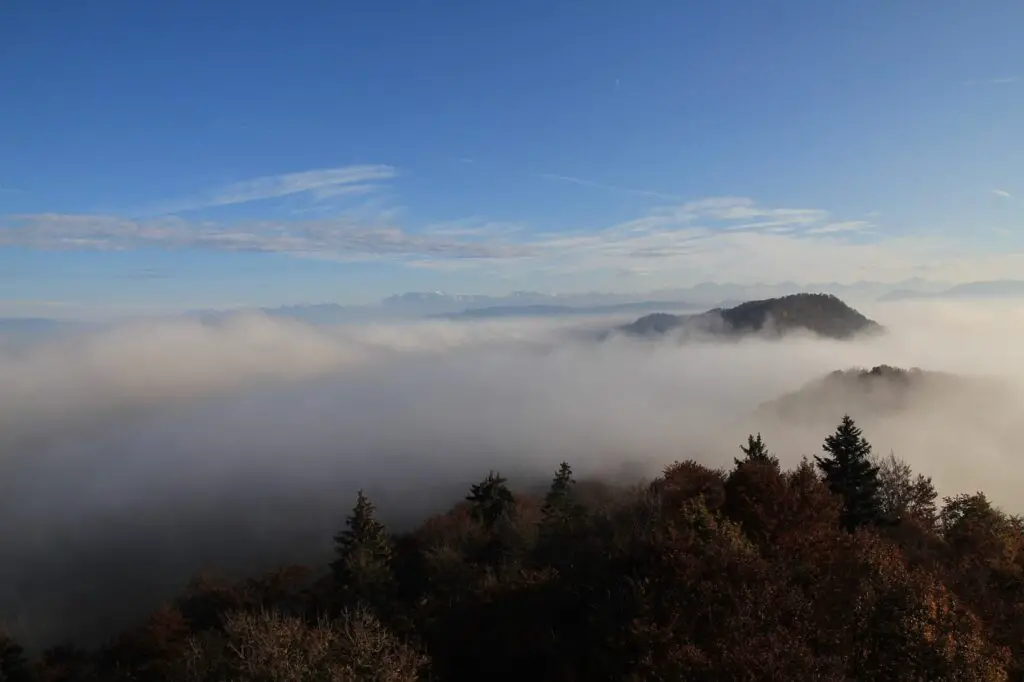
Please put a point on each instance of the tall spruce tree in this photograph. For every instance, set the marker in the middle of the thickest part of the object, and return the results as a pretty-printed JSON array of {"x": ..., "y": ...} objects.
[
  {"x": 851, "y": 475},
  {"x": 559, "y": 507},
  {"x": 560, "y": 516},
  {"x": 364, "y": 550},
  {"x": 560, "y": 512},
  {"x": 494, "y": 508},
  {"x": 492, "y": 501},
  {"x": 756, "y": 451}
]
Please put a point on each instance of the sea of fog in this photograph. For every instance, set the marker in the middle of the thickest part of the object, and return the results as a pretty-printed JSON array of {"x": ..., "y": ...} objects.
[{"x": 135, "y": 455}]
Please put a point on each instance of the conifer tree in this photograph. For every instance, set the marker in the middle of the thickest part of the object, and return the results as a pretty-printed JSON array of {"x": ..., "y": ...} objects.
[
  {"x": 560, "y": 515},
  {"x": 559, "y": 507},
  {"x": 851, "y": 475},
  {"x": 757, "y": 452},
  {"x": 494, "y": 508},
  {"x": 364, "y": 551},
  {"x": 560, "y": 511},
  {"x": 492, "y": 501}
]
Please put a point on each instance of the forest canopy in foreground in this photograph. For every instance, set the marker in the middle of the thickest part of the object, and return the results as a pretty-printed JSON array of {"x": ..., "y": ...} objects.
[{"x": 844, "y": 567}]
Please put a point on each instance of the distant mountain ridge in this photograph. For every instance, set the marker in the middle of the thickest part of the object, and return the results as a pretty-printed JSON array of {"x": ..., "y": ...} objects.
[
  {"x": 982, "y": 289},
  {"x": 426, "y": 304},
  {"x": 445, "y": 305},
  {"x": 441, "y": 305},
  {"x": 540, "y": 310},
  {"x": 822, "y": 314}
]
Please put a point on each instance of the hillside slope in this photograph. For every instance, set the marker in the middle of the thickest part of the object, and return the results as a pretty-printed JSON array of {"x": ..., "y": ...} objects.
[
  {"x": 822, "y": 314},
  {"x": 890, "y": 392}
]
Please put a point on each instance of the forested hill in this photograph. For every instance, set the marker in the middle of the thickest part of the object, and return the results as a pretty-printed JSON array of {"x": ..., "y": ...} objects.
[
  {"x": 880, "y": 390},
  {"x": 895, "y": 393},
  {"x": 822, "y": 314}
]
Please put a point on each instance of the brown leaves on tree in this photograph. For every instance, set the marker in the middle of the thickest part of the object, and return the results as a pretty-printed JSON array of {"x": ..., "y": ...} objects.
[{"x": 699, "y": 575}]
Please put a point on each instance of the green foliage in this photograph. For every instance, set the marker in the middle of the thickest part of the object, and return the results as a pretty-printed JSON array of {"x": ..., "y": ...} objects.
[
  {"x": 559, "y": 494},
  {"x": 851, "y": 475},
  {"x": 755, "y": 451},
  {"x": 363, "y": 532},
  {"x": 755, "y": 494},
  {"x": 560, "y": 510},
  {"x": 561, "y": 517},
  {"x": 506, "y": 541},
  {"x": 491, "y": 501},
  {"x": 362, "y": 567}
]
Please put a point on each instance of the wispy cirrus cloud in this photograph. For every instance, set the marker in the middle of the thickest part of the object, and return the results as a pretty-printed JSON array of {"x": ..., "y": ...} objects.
[
  {"x": 735, "y": 238},
  {"x": 738, "y": 214},
  {"x": 667, "y": 233},
  {"x": 842, "y": 226},
  {"x": 336, "y": 237},
  {"x": 742, "y": 214},
  {"x": 664, "y": 232},
  {"x": 325, "y": 182},
  {"x": 1002, "y": 194},
  {"x": 715, "y": 238},
  {"x": 318, "y": 184}
]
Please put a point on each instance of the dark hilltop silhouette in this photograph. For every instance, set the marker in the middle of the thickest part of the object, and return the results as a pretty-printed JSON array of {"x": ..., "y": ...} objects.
[
  {"x": 822, "y": 314},
  {"x": 888, "y": 392}
]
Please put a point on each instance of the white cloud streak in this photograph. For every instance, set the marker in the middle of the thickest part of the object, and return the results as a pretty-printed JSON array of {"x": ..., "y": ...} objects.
[
  {"x": 715, "y": 238},
  {"x": 318, "y": 184},
  {"x": 1002, "y": 193},
  {"x": 834, "y": 228},
  {"x": 326, "y": 180},
  {"x": 338, "y": 237}
]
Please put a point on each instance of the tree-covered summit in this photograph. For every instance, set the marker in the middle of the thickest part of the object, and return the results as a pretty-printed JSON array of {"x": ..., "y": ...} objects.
[{"x": 822, "y": 314}]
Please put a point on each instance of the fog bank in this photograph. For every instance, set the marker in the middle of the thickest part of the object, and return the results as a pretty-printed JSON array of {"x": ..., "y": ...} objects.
[{"x": 133, "y": 456}]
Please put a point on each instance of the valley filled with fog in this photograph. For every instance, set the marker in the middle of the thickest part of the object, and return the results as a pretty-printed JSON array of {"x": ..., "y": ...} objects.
[{"x": 133, "y": 456}]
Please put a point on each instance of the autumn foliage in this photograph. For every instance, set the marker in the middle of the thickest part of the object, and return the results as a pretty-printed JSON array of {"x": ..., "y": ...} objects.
[{"x": 842, "y": 569}]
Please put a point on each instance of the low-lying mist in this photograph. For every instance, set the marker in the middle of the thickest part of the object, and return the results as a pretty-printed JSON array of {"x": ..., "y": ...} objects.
[{"x": 132, "y": 457}]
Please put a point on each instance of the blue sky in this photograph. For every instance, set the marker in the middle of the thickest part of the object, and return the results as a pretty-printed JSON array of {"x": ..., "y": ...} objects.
[{"x": 194, "y": 154}]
